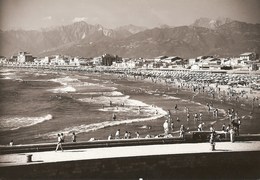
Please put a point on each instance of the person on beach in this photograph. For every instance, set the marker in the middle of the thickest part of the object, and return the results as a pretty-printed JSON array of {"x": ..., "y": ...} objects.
[
  {"x": 11, "y": 143},
  {"x": 117, "y": 135},
  {"x": 114, "y": 116},
  {"x": 137, "y": 134},
  {"x": 223, "y": 127},
  {"x": 59, "y": 144},
  {"x": 200, "y": 127},
  {"x": 182, "y": 131},
  {"x": 176, "y": 107},
  {"x": 178, "y": 120},
  {"x": 172, "y": 126},
  {"x": 129, "y": 135},
  {"x": 109, "y": 137},
  {"x": 196, "y": 117},
  {"x": 200, "y": 116},
  {"x": 166, "y": 127},
  {"x": 211, "y": 129},
  {"x": 188, "y": 117},
  {"x": 126, "y": 135},
  {"x": 74, "y": 137}
]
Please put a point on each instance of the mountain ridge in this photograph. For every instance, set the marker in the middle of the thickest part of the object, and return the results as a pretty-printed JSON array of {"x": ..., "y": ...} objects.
[{"x": 226, "y": 38}]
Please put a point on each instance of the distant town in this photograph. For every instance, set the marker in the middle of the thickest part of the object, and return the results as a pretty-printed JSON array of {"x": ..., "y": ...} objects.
[{"x": 248, "y": 61}]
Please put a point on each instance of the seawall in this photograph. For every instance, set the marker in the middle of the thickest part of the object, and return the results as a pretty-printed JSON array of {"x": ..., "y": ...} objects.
[
  {"x": 240, "y": 160},
  {"x": 203, "y": 165}
]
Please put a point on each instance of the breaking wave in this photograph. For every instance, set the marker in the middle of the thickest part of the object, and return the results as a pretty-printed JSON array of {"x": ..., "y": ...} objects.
[
  {"x": 95, "y": 126},
  {"x": 20, "y": 122},
  {"x": 65, "y": 89}
]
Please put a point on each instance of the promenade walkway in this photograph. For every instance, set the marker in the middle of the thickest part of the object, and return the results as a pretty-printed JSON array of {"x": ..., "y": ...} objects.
[{"x": 126, "y": 151}]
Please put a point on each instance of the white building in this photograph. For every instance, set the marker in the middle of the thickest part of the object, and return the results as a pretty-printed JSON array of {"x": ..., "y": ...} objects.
[
  {"x": 171, "y": 59},
  {"x": 248, "y": 56},
  {"x": 97, "y": 61},
  {"x": 125, "y": 64},
  {"x": 42, "y": 61},
  {"x": 24, "y": 57},
  {"x": 160, "y": 58},
  {"x": 74, "y": 61},
  {"x": 58, "y": 60}
]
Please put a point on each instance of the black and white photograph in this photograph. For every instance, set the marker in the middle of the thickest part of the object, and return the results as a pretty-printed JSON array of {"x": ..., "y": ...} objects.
[{"x": 129, "y": 89}]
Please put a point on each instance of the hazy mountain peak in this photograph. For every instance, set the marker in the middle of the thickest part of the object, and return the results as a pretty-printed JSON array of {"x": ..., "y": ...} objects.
[
  {"x": 211, "y": 23},
  {"x": 132, "y": 28}
]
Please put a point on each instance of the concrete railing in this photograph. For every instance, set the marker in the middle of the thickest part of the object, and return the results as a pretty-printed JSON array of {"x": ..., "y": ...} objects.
[{"x": 189, "y": 138}]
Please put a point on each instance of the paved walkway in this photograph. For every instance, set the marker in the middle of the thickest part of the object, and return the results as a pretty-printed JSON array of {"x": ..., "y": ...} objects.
[{"x": 127, "y": 151}]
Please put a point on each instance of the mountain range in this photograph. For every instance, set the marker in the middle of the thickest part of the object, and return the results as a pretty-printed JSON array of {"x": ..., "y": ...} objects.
[{"x": 220, "y": 37}]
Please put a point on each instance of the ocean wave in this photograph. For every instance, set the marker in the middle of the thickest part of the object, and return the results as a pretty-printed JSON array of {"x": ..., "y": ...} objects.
[
  {"x": 105, "y": 99},
  {"x": 170, "y": 97},
  {"x": 7, "y": 74},
  {"x": 65, "y": 89},
  {"x": 96, "y": 126},
  {"x": 6, "y": 77},
  {"x": 20, "y": 122},
  {"x": 64, "y": 81},
  {"x": 113, "y": 93}
]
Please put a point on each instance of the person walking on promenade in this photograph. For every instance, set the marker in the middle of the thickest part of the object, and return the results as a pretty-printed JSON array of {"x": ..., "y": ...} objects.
[
  {"x": 74, "y": 137},
  {"x": 212, "y": 140},
  {"x": 232, "y": 135},
  {"x": 62, "y": 137},
  {"x": 59, "y": 144}
]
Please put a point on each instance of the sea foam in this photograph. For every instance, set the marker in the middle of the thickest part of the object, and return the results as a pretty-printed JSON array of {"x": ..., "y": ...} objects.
[
  {"x": 15, "y": 123},
  {"x": 95, "y": 126}
]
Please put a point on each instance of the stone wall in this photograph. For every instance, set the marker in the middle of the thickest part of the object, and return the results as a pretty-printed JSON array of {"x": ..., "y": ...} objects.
[{"x": 199, "y": 165}]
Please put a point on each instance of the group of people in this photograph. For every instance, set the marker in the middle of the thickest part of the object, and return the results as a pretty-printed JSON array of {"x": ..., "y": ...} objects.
[
  {"x": 61, "y": 139},
  {"x": 127, "y": 135}
]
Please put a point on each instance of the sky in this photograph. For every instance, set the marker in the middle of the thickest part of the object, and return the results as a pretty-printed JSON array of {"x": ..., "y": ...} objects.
[{"x": 37, "y": 14}]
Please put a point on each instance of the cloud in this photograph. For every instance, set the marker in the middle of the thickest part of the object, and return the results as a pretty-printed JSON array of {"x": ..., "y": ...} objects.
[
  {"x": 47, "y": 18},
  {"x": 78, "y": 19}
]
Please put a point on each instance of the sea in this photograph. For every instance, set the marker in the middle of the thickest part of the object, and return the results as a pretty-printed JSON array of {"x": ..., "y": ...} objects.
[{"x": 37, "y": 105}]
